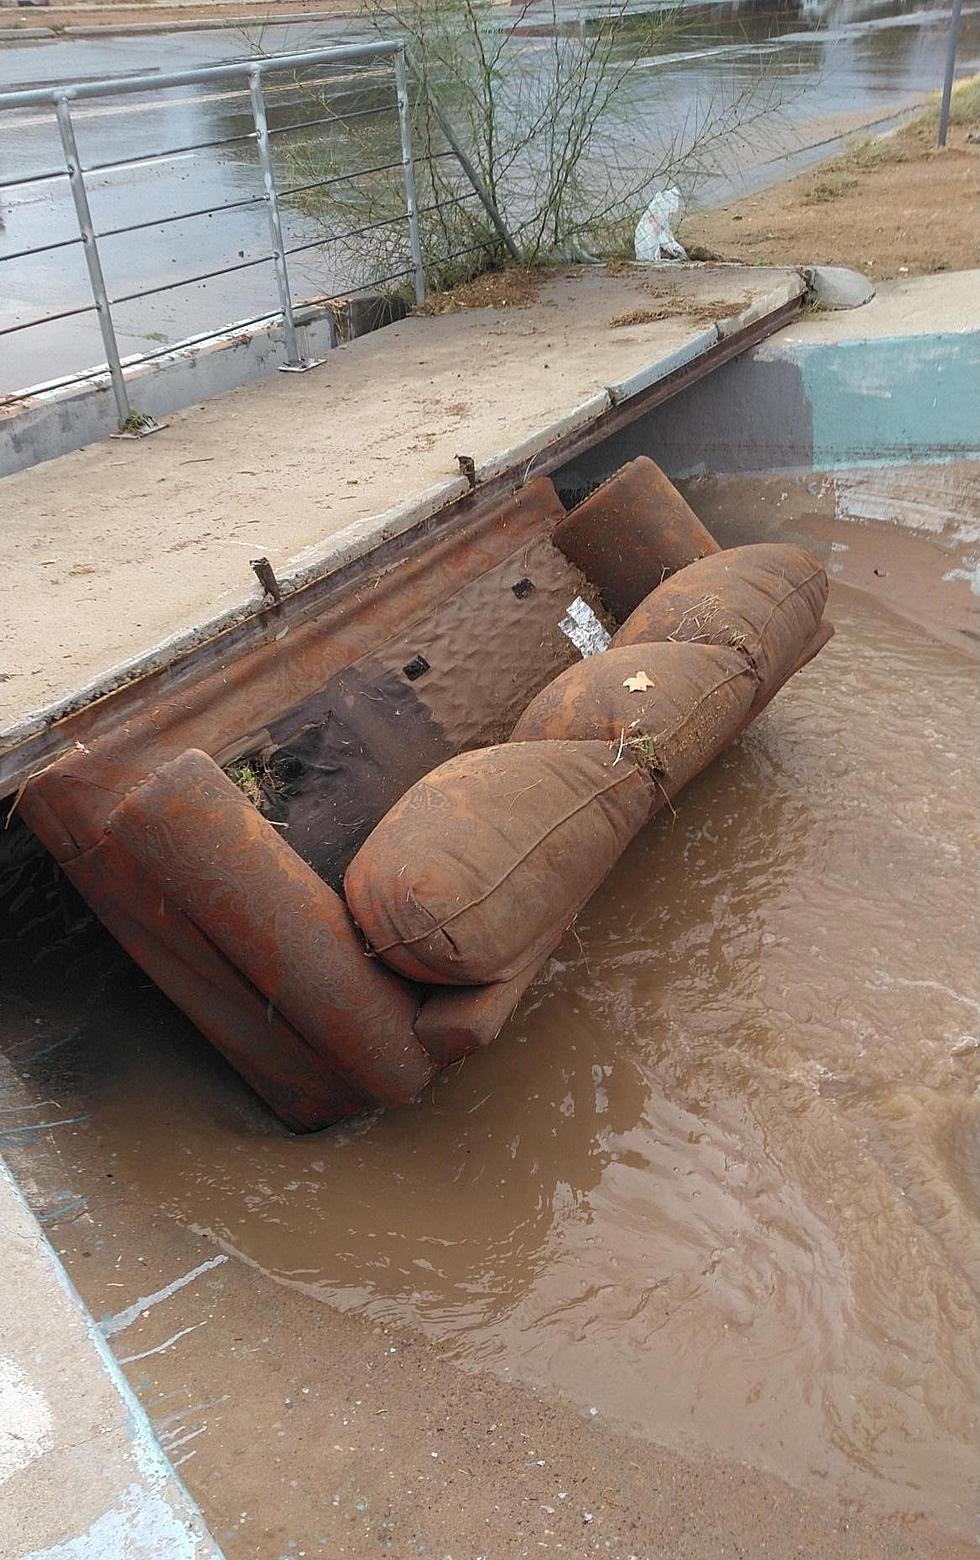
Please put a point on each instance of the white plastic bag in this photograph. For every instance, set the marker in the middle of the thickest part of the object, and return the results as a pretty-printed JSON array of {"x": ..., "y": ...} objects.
[{"x": 654, "y": 240}]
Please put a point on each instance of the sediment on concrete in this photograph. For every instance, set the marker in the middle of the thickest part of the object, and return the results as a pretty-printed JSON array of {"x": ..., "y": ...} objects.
[
  {"x": 81, "y": 1471},
  {"x": 51, "y": 419}
]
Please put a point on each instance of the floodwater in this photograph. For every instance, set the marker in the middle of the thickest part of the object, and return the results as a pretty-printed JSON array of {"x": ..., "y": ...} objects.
[
  {"x": 815, "y": 69},
  {"x": 718, "y": 1181}
]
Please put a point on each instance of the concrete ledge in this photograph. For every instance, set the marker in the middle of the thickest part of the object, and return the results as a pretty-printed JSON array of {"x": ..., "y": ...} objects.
[
  {"x": 350, "y": 543},
  {"x": 838, "y": 287},
  {"x": 890, "y": 383},
  {"x": 82, "y": 1476},
  {"x": 510, "y": 459},
  {"x": 784, "y": 291},
  {"x": 635, "y": 384},
  {"x": 44, "y": 421}
]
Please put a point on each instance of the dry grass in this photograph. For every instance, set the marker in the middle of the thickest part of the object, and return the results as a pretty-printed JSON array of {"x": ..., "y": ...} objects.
[
  {"x": 513, "y": 288},
  {"x": 517, "y": 287},
  {"x": 917, "y": 139},
  {"x": 670, "y": 303},
  {"x": 246, "y": 774},
  {"x": 828, "y": 187},
  {"x": 639, "y": 317},
  {"x": 706, "y": 311},
  {"x": 898, "y": 205},
  {"x": 644, "y": 751}
]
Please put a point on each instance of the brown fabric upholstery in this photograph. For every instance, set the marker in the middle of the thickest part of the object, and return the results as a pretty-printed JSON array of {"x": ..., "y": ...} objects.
[
  {"x": 765, "y": 600},
  {"x": 697, "y": 699},
  {"x": 456, "y": 1020},
  {"x": 204, "y": 847},
  {"x": 481, "y": 865},
  {"x": 631, "y": 534}
]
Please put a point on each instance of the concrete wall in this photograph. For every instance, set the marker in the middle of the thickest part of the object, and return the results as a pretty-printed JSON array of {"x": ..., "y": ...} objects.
[
  {"x": 794, "y": 404},
  {"x": 49, "y": 420}
]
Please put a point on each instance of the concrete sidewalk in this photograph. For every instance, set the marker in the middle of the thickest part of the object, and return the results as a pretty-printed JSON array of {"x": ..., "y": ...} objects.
[{"x": 82, "y": 1476}]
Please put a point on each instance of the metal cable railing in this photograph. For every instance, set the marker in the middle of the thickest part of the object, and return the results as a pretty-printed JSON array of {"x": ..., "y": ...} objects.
[{"x": 252, "y": 74}]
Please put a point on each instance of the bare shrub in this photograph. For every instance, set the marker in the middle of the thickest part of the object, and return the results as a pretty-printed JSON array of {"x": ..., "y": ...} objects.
[{"x": 562, "y": 118}]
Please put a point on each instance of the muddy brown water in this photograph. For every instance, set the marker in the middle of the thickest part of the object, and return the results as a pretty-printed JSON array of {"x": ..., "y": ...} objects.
[{"x": 717, "y": 1183}]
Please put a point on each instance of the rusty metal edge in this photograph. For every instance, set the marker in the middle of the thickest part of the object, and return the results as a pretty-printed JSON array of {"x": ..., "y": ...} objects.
[
  {"x": 24, "y": 756},
  {"x": 623, "y": 412}
]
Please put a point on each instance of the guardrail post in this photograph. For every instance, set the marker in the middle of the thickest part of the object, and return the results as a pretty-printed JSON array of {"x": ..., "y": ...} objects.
[
  {"x": 953, "y": 40},
  {"x": 76, "y": 180},
  {"x": 408, "y": 169},
  {"x": 293, "y": 359}
]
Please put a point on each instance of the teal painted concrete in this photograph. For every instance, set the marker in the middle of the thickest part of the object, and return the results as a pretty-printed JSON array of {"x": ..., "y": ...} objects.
[
  {"x": 911, "y": 398},
  {"x": 813, "y": 406}
]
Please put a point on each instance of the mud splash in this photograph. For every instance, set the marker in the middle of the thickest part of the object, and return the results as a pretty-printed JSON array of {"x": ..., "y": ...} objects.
[{"x": 719, "y": 1181}]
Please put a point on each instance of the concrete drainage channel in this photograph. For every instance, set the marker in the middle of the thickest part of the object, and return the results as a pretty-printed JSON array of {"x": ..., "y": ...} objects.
[
  {"x": 44, "y": 421},
  {"x": 182, "y": 858},
  {"x": 81, "y": 1471},
  {"x": 476, "y": 643},
  {"x": 394, "y": 674}
]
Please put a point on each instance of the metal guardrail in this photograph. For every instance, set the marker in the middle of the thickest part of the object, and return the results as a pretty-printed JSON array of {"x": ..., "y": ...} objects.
[{"x": 252, "y": 74}]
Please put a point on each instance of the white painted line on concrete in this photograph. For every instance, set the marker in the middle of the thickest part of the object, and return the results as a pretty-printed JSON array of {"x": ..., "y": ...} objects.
[{"x": 132, "y": 1313}]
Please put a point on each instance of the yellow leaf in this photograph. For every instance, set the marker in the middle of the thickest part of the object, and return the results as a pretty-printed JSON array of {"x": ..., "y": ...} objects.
[{"x": 638, "y": 683}]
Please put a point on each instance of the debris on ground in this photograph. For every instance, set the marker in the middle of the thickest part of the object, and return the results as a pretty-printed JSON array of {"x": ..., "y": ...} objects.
[
  {"x": 654, "y": 239},
  {"x": 513, "y": 288},
  {"x": 247, "y": 776},
  {"x": 673, "y": 303}
]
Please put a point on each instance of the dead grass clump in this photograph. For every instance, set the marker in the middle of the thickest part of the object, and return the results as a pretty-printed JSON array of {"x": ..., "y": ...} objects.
[
  {"x": 964, "y": 106},
  {"x": 703, "y": 255},
  {"x": 644, "y": 751},
  {"x": 514, "y": 288},
  {"x": 246, "y": 774},
  {"x": 674, "y": 304},
  {"x": 917, "y": 139},
  {"x": 710, "y": 309},
  {"x": 701, "y": 616},
  {"x": 828, "y": 187},
  {"x": 866, "y": 156},
  {"x": 639, "y": 317}
]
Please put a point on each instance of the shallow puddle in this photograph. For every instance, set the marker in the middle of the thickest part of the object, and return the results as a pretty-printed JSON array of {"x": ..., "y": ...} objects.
[{"x": 719, "y": 1179}]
